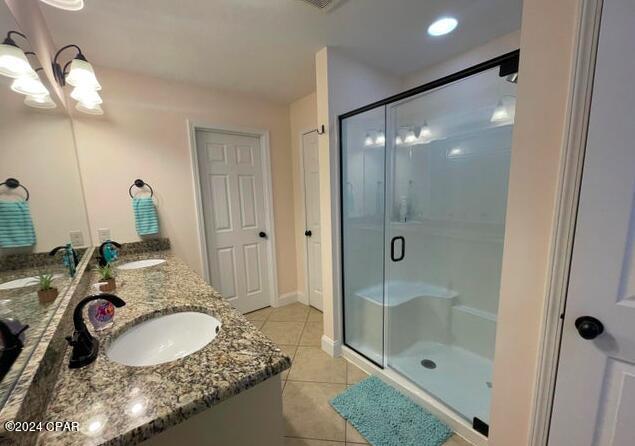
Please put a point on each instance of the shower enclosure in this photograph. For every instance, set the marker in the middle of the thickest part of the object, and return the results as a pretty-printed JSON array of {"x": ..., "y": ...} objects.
[{"x": 424, "y": 186}]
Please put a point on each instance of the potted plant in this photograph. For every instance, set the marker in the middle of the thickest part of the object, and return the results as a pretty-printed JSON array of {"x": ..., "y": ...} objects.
[
  {"x": 46, "y": 293},
  {"x": 107, "y": 279}
]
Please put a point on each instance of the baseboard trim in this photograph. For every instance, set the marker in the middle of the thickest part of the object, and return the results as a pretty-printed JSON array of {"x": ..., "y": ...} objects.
[
  {"x": 333, "y": 348},
  {"x": 302, "y": 298},
  {"x": 287, "y": 298}
]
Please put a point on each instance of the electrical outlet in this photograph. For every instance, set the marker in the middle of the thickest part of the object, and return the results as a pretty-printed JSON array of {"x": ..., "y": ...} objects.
[
  {"x": 103, "y": 234},
  {"x": 77, "y": 238}
]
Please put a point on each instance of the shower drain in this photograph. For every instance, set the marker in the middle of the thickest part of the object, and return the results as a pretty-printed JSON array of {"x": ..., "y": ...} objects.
[{"x": 429, "y": 364}]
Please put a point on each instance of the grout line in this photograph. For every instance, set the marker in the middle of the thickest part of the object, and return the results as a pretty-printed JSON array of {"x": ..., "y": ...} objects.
[
  {"x": 318, "y": 439},
  {"x": 314, "y": 382}
]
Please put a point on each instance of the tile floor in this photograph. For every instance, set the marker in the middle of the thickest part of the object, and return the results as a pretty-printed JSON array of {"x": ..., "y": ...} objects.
[{"x": 313, "y": 379}]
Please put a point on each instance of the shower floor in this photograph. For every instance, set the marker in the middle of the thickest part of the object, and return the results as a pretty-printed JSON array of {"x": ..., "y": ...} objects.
[{"x": 460, "y": 380}]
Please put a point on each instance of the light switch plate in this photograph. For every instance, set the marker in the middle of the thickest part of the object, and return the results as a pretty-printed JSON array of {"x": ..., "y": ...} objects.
[
  {"x": 77, "y": 238},
  {"x": 103, "y": 234}
]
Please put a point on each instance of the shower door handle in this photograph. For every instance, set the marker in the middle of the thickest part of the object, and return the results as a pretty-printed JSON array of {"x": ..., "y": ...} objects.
[{"x": 393, "y": 242}]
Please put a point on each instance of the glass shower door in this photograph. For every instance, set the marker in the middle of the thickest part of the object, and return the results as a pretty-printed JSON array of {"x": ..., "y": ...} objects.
[
  {"x": 448, "y": 155},
  {"x": 362, "y": 188}
]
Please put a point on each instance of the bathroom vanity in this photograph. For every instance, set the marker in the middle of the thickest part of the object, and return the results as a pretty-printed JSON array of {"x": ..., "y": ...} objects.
[{"x": 206, "y": 397}]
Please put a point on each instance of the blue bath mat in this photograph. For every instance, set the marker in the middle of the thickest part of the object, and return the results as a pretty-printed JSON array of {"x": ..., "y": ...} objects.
[{"x": 385, "y": 417}]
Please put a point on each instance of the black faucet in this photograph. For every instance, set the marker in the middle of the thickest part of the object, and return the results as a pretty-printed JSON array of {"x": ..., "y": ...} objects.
[
  {"x": 12, "y": 344},
  {"x": 101, "y": 258},
  {"x": 85, "y": 346},
  {"x": 55, "y": 250}
]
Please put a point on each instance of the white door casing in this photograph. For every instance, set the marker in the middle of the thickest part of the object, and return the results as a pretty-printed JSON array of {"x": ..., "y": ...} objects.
[
  {"x": 311, "y": 175},
  {"x": 594, "y": 401},
  {"x": 234, "y": 208}
]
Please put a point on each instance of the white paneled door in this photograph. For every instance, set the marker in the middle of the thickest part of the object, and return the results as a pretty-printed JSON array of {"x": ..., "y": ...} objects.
[
  {"x": 594, "y": 402},
  {"x": 312, "y": 232},
  {"x": 233, "y": 195}
]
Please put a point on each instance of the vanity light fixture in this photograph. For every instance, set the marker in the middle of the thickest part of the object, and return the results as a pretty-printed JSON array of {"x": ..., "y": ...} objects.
[
  {"x": 425, "y": 131},
  {"x": 90, "y": 109},
  {"x": 29, "y": 86},
  {"x": 13, "y": 61},
  {"x": 410, "y": 137},
  {"x": 43, "y": 102},
  {"x": 67, "y": 5},
  {"x": 79, "y": 73},
  {"x": 442, "y": 26},
  {"x": 381, "y": 139},
  {"x": 398, "y": 140},
  {"x": 500, "y": 113},
  {"x": 368, "y": 141}
]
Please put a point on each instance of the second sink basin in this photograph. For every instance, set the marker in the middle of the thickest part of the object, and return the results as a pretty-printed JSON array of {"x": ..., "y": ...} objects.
[
  {"x": 141, "y": 264},
  {"x": 164, "y": 339},
  {"x": 24, "y": 282}
]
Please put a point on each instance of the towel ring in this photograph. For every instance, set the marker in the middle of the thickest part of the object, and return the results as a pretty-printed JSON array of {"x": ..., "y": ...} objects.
[
  {"x": 140, "y": 183},
  {"x": 12, "y": 183}
]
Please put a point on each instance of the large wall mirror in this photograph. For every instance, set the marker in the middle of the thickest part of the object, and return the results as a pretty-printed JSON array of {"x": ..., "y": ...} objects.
[{"x": 41, "y": 209}]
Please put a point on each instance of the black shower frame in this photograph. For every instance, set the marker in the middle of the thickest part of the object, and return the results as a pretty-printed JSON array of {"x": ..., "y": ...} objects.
[{"x": 508, "y": 64}]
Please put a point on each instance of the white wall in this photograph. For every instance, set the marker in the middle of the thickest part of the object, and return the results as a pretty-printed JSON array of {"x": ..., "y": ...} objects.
[
  {"x": 494, "y": 48},
  {"x": 38, "y": 149},
  {"x": 548, "y": 39},
  {"x": 144, "y": 134},
  {"x": 343, "y": 84},
  {"x": 302, "y": 118}
]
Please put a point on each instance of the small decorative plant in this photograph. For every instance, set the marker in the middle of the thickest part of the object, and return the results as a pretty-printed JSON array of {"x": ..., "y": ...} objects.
[
  {"x": 106, "y": 278},
  {"x": 46, "y": 292}
]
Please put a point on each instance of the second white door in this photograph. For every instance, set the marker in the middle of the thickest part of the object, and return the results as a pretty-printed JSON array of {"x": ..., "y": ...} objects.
[
  {"x": 312, "y": 232},
  {"x": 234, "y": 208}
]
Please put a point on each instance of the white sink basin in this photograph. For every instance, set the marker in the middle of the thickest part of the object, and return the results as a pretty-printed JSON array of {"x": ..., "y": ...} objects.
[
  {"x": 141, "y": 264},
  {"x": 24, "y": 282},
  {"x": 164, "y": 339}
]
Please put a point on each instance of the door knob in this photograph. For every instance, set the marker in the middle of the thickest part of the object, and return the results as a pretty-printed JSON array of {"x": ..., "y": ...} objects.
[
  {"x": 589, "y": 327},
  {"x": 308, "y": 233},
  {"x": 262, "y": 234}
]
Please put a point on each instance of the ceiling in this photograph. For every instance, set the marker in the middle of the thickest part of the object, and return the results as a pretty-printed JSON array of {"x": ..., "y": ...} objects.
[{"x": 267, "y": 47}]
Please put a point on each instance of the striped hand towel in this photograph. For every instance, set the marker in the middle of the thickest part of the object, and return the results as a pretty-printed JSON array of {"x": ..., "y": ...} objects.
[
  {"x": 145, "y": 214},
  {"x": 16, "y": 226}
]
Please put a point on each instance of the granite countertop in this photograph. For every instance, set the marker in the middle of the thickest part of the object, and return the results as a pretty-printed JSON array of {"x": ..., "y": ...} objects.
[
  {"x": 117, "y": 404},
  {"x": 24, "y": 305}
]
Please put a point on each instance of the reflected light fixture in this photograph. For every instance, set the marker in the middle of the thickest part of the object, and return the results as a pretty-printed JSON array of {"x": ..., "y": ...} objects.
[
  {"x": 500, "y": 113},
  {"x": 381, "y": 139},
  {"x": 13, "y": 61},
  {"x": 29, "y": 86},
  {"x": 67, "y": 5},
  {"x": 79, "y": 73},
  {"x": 369, "y": 140},
  {"x": 94, "y": 109},
  {"x": 398, "y": 140},
  {"x": 410, "y": 137},
  {"x": 43, "y": 102},
  {"x": 425, "y": 131},
  {"x": 442, "y": 26},
  {"x": 457, "y": 151}
]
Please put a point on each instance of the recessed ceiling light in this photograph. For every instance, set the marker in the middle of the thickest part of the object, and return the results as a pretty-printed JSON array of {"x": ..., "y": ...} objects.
[{"x": 442, "y": 26}]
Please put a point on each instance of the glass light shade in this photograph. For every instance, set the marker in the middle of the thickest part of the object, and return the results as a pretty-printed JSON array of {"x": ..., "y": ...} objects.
[
  {"x": 13, "y": 62},
  {"x": 398, "y": 140},
  {"x": 91, "y": 109},
  {"x": 410, "y": 137},
  {"x": 368, "y": 141},
  {"x": 86, "y": 96},
  {"x": 29, "y": 86},
  {"x": 43, "y": 101},
  {"x": 500, "y": 113},
  {"x": 381, "y": 139},
  {"x": 68, "y": 5},
  {"x": 81, "y": 74},
  {"x": 425, "y": 131}
]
